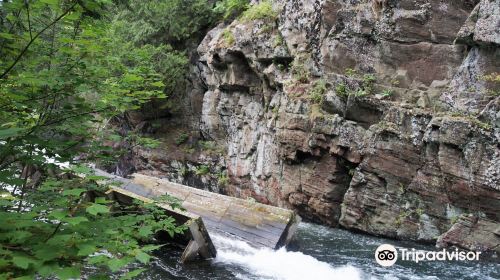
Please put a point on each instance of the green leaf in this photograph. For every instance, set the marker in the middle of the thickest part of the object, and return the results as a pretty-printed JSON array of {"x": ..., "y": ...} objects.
[
  {"x": 75, "y": 220},
  {"x": 116, "y": 264},
  {"x": 23, "y": 262},
  {"x": 143, "y": 257},
  {"x": 132, "y": 274},
  {"x": 158, "y": 84},
  {"x": 10, "y": 132},
  {"x": 73, "y": 16},
  {"x": 102, "y": 200},
  {"x": 99, "y": 259},
  {"x": 46, "y": 253},
  {"x": 47, "y": 269},
  {"x": 145, "y": 231},
  {"x": 96, "y": 209},
  {"x": 86, "y": 249},
  {"x": 149, "y": 248},
  {"x": 68, "y": 273},
  {"x": 128, "y": 78},
  {"x": 82, "y": 169},
  {"x": 58, "y": 214},
  {"x": 74, "y": 192},
  {"x": 96, "y": 178},
  {"x": 7, "y": 36},
  {"x": 50, "y": 2}
]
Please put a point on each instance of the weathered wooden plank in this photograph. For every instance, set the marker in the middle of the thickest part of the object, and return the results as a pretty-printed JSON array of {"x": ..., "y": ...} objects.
[
  {"x": 258, "y": 224},
  {"x": 200, "y": 243}
]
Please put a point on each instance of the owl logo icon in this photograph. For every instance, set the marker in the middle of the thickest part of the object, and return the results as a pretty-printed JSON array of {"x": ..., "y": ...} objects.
[{"x": 386, "y": 255}]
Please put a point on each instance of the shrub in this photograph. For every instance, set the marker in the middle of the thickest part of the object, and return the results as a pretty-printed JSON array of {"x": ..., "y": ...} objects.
[
  {"x": 386, "y": 93},
  {"x": 341, "y": 90},
  {"x": 318, "y": 91},
  {"x": 368, "y": 81},
  {"x": 300, "y": 71},
  {"x": 228, "y": 9},
  {"x": 181, "y": 139},
  {"x": 222, "y": 179},
  {"x": 362, "y": 93},
  {"x": 202, "y": 170},
  {"x": 264, "y": 10}
]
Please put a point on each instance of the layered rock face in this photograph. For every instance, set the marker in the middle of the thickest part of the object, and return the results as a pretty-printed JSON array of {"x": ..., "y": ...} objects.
[{"x": 379, "y": 116}]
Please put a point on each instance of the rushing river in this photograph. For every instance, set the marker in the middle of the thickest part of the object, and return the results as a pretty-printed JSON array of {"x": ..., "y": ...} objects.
[{"x": 318, "y": 253}]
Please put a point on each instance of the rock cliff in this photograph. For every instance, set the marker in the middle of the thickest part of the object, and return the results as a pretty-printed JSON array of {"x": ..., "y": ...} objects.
[{"x": 379, "y": 116}]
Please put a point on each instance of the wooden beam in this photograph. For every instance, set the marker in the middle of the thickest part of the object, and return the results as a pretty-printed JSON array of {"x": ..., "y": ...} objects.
[{"x": 258, "y": 224}]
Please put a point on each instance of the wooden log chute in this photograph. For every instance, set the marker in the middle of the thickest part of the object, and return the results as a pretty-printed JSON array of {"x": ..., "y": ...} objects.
[{"x": 208, "y": 213}]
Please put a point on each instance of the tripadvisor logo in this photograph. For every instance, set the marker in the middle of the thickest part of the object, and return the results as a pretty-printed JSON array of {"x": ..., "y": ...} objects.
[{"x": 387, "y": 255}]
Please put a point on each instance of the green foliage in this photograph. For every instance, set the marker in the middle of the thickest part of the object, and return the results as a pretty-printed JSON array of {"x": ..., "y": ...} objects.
[
  {"x": 228, "y": 37},
  {"x": 64, "y": 230},
  {"x": 278, "y": 40},
  {"x": 454, "y": 219},
  {"x": 202, "y": 170},
  {"x": 419, "y": 212},
  {"x": 402, "y": 188},
  {"x": 222, "y": 179},
  {"x": 350, "y": 72},
  {"x": 387, "y": 93},
  {"x": 318, "y": 91},
  {"x": 262, "y": 11},
  {"x": 341, "y": 90},
  {"x": 207, "y": 145},
  {"x": 368, "y": 81},
  {"x": 181, "y": 139},
  {"x": 494, "y": 80},
  {"x": 140, "y": 140},
  {"x": 66, "y": 71},
  {"x": 158, "y": 21},
  {"x": 211, "y": 147},
  {"x": 183, "y": 171},
  {"x": 299, "y": 71},
  {"x": 492, "y": 77},
  {"x": 230, "y": 9}
]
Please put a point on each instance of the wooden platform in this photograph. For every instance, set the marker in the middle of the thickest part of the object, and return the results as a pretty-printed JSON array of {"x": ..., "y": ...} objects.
[{"x": 255, "y": 223}]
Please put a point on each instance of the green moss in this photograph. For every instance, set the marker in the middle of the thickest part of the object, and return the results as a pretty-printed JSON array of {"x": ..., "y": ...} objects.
[
  {"x": 278, "y": 40},
  {"x": 454, "y": 220},
  {"x": 493, "y": 77},
  {"x": 402, "y": 188},
  {"x": 350, "y": 72},
  {"x": 261, "y": 11},
  {"x": 228, "y": 37},
  {"x": 316, "y": 112},
  {"x": 419, "y": 212},
  {"x": 275, "y": 110}
]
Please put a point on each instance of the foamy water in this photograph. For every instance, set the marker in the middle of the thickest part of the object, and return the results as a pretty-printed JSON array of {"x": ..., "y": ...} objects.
[
  {"x": 280, "y": 264},
  {"x": 317, "y": 253}
]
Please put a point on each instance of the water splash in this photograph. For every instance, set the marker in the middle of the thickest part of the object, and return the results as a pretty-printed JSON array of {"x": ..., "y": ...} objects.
[{"x": 277, "y": 265}]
